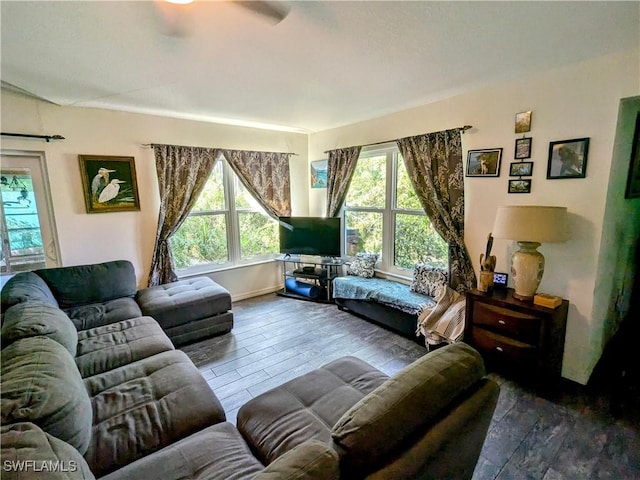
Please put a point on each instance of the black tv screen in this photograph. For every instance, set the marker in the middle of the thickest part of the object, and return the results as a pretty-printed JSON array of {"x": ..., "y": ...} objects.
[{"x": 310, "y": 236}]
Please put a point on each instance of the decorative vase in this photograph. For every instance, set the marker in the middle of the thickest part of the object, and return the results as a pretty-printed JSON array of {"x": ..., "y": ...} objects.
[{"x": 527, "y": 267}]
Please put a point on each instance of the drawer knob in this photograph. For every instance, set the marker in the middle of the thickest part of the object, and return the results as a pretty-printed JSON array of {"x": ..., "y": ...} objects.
[
  {"x": 499, "y": 349},
  {"x": 502, "y": 322}
]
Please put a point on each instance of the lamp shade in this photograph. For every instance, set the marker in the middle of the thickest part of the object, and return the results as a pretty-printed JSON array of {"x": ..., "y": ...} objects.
[{"x": 530, "y": 223}]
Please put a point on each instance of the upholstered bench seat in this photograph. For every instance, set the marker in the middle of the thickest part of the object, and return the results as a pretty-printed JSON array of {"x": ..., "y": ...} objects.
[
  {"x": 188, "y": 309},
  {"x": 111, "y": 346}
]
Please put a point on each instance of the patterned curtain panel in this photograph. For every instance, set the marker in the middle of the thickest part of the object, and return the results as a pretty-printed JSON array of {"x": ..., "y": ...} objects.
[
  {"x": 434, "y": 164},
  {"x": 182, "y": 174},
  {"x": 340, "y": 167},
  {"x": 266, "y": 176}
]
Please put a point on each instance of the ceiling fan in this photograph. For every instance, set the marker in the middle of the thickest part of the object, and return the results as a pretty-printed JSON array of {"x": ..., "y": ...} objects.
[{"x": 175, "y": 13}]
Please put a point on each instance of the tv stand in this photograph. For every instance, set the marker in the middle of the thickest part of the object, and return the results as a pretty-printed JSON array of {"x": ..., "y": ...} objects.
[{"x": 313, "y": 270}]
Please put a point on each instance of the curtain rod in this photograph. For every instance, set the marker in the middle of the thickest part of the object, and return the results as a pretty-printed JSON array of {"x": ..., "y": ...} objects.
[
  {"x": 48, "y": 138},
  {"x": 464, "y": 129},
  {"x": 150, "y": 145}
]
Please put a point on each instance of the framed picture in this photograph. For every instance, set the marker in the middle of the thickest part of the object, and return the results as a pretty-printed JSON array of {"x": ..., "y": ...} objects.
[
  {"x": 523, "y": 148},
  {"x": 568, "y": 158},
  {"x": 519, "y": 186},
  {"x": 520, "y": 169},
  {"x": 319, "y": 174},
  {"x": 633, "y": 177},
  {"x": 484, "y": 163},
  {"x": 109, "y": 183},
  {"x": 523, "y": 122}
]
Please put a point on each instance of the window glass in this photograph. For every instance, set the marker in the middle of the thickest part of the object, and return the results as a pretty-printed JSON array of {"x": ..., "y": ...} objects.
[
  {"x": 22, "y": 245},
  {"x": 212, "y": 196},
  {"x": 258, "y": 234},
  {"x": 201, "y": 239},
  {"x": 367, "y": 187},
  {"x": 363, "y": 232},
  {"x": 406, "y": 198},
  {"x": 415, "y": 240}
]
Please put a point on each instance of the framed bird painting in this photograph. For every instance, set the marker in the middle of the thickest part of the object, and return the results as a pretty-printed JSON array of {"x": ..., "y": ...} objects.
[{"x": 109, "y": 183}]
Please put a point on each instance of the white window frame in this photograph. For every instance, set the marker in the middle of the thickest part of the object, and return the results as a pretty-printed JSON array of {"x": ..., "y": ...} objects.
[
  {"x": 232, "y": 222},
  {"x": 386, "y": 264}
]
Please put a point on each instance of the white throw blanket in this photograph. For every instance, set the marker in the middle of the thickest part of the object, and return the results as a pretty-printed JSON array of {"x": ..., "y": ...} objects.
[{"x": 445, "y": 321}]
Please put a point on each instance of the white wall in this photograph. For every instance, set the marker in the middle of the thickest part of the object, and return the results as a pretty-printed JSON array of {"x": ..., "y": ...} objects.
[
  {"x": 576, "y": 101},
  {"x": 89, "y": 238}
]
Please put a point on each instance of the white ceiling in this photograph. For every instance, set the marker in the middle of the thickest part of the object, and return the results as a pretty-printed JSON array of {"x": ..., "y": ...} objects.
[{"x": 327, "y": 64}]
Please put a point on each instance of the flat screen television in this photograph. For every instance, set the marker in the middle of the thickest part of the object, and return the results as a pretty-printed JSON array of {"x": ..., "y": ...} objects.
[{"x": 310, "y": 236}]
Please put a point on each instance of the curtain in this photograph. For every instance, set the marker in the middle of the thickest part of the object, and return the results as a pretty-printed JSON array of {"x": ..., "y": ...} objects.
[
  {"x": 182, "y": 174},
  {"x": 340, "y": 167},
  {"x": 434, "y": 164},
  {"x": 266, "y": 176}
]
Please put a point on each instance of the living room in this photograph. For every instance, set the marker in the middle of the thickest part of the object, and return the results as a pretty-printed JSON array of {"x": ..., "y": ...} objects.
[{"x": 595, "y": 97}]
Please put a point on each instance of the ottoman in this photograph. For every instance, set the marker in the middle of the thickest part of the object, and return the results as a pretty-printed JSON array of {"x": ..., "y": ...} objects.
[{"x": 189, "y": 309}]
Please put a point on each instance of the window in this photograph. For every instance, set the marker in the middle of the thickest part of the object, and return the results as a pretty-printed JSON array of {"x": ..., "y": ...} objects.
[
  {"x": 382, "y": 214},
  {"x": 27, "y": 227},
  {"x": 226, "y": 227}
]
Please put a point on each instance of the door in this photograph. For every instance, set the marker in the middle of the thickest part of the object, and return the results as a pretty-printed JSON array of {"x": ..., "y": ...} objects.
[{"x": 27, "y": 225}]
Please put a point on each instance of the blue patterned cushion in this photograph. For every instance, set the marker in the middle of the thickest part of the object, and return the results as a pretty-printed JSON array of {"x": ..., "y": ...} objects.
[
  {"x": 427, "y": 279},
  {"x": 363, "y": 265}
]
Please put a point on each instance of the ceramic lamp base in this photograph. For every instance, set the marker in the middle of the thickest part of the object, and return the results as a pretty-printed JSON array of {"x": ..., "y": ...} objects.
[{"x": 527, "y": 267}]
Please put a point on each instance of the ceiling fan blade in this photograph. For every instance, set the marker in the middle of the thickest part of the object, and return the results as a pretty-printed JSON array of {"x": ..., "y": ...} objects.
[{"x": 273, "y": 11}]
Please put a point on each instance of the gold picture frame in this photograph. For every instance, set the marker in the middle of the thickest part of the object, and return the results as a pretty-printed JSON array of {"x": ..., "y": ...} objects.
[{"x": 109, "y": 183}]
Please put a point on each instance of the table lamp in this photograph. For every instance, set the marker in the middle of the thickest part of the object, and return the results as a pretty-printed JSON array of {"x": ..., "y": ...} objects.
[{"x": 530, "y": 226}]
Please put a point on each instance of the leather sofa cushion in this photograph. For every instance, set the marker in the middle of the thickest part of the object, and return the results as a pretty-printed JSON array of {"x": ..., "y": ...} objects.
[
  {"x": 41, "y": 384},
  {"x": 111, "y": 346},
  {"x": 98, "y": 314},
  {"x": 144, "y": 406},
  {"x": 184, "y": 301},
  {"x": 35, "y": 318},
  {"x": 85, "y": 284},
  {"x": 404, "y": 406},
  {"x": 25, "y": 442},
  {"x": 306, "y": 407},
  {"x": 26, "y": 287}
]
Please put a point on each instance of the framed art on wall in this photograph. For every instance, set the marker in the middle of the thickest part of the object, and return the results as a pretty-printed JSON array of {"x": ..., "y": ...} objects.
[
  {"x": 523, "y": 122},
  {"x": 520, "y": 169},
  {"x": 109, "y": 183},
  {"x": 319, "y": 174},
  {"x": 568, "y": 158},
  {"x": 523, "y": 148},
  {"x": 484, "y": 163},
  {"x": 519, "y": 186}
]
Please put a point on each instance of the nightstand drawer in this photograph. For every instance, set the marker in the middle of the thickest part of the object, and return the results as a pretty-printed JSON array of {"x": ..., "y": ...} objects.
[
  {"x": 520, "y": 326},
  {"x": 503, "y": 350}
]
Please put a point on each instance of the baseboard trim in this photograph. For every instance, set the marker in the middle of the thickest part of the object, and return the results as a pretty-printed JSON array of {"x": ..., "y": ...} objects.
[{"x": 255, "y": 293}]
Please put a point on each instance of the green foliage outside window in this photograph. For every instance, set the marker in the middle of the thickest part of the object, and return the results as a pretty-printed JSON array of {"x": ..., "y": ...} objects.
[
  {"x": 200, "y": 239},
  {"x": 417, "y": 241},
  {"x": 258, "y": 234}
]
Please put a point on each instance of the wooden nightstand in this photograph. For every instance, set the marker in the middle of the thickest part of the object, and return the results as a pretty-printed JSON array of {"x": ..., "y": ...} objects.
[{"x": 514, "y": 336}]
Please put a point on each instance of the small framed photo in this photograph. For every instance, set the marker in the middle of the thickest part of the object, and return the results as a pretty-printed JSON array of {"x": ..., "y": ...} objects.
[
  {"x": 568, "y": 158},
  {"x": 633, "y": 177},
  {"x": 523, "y": 148},
  {"x": 109, "y": 183},
  {"x": 519, "y": 186},
  {"x": 523, "y": 122},
  {"x": 520, "y": 169},
  {"x": 484, "y": 163},
  {"x": 319, "y": 174}
]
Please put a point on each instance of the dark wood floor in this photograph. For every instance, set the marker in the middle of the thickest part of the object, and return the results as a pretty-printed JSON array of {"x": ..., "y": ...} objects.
[{"x": 569, "y": 434}]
